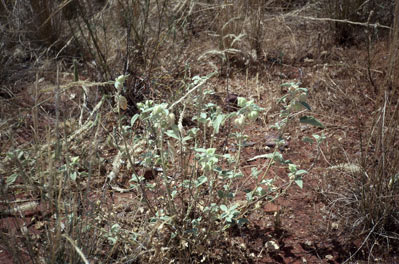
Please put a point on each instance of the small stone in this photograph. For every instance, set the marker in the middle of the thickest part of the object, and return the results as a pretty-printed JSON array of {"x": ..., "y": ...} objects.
[
  {"x": 308, "y": 243},
  {"x": 272, "y": 246},
  {"x": 334, "y": 225},
  {"x": 24, "y": 230}
]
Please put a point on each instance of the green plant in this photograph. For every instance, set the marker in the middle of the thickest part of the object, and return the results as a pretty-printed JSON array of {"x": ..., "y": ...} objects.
[{"x": 196, "y": 197}]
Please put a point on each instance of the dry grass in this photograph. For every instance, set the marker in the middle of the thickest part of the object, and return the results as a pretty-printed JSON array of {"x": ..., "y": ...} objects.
[
  {"x": 364, "y": 199},
  {"x": 62, "y": 137}
]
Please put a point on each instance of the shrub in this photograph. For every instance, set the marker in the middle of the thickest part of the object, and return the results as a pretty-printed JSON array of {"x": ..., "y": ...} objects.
[
  {"x": 186, "y": 194},
  {"x": 200, "y": 193}
]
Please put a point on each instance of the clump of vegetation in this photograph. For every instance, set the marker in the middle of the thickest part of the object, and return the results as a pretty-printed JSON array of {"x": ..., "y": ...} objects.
[
  {"x": 152, "y": 166},
  {"x": 366, "y": 199},
  {"x": 186, "y": 193},
  {"x": 365, "y": 202}
]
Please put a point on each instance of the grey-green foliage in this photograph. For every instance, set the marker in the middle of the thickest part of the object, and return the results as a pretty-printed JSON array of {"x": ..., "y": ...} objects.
[{"x": 199, "y": 186}]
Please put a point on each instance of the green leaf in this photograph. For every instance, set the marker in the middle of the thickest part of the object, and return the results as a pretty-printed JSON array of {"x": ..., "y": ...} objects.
[
  {"x": 20, "y": 154},
  {"x": 119, "y": 81},
  {"x": 268, "y": 182},
  {"x": 311, "y": 121},
  {"x": 203, "y": 118},
  {"x": 210, "y": 151},
  {"x": 289, "y": 84},
  {"x": 307, "y": 140},
  {"x": 112, "y": 240},
  {"x": 225, "y": 227},
  {"x": 223, "y": 208},
  {"x": 260, "y": 191},
  {"x": 74, "y": 160},
  {"x": 242, "y": 221},
  {"x": 241, "y": 101},
  {"x": 301, "y": 172},
  {"x": 11, "y": 179},
  {"x": 115, "y": 228},
  {"x": 201, "y": 180},
  {"x": 193, "y": 132},
  {"x": 292, "y": 167},
  {"x": 320, "y": 138},
  {"x": 186, "y": 138},
  {"x": 234, "y": 207},
  {"x": 200, "y": 150},
  {"x": 136, "y": 178},
  {"x": 277, "y": 156},
  {"x": 299, "y": 182},
  {"x": 186, "y": 183},
  {"x": 303, "y": 90},
  {"x": 73, "y": 176},
  {"x": 172, "y": 134},
  {"x": 217, "y": 122},
  {"x": 255, "y": 172},
  {"x": 192, "y": 231},
  {"x": 296, "y": 106},
  {"x": 305, "y": 105},
  {"x": 134, "y": 119},
  {"x": 232, "y": 174}
]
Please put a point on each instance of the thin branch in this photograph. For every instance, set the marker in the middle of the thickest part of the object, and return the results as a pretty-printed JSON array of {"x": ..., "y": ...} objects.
[
  {"x": 200, "y": 84},
  {"x": 82, "y": 256},
  {"x": 327, "y": 19},
  {"x": 364, "y": 242}
]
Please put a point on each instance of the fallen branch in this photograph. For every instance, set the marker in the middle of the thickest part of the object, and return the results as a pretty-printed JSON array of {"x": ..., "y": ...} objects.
[{"x": 324, "y": 19}]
